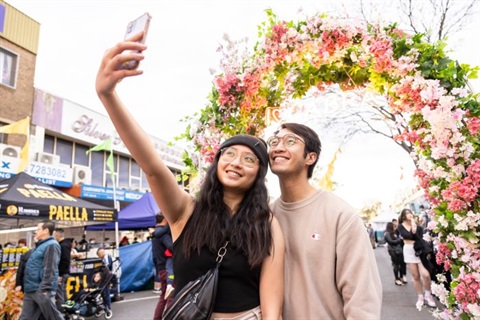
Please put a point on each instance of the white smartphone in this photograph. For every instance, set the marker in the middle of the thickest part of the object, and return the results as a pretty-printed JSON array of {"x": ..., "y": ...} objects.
[{"x": 134, "y": 27}]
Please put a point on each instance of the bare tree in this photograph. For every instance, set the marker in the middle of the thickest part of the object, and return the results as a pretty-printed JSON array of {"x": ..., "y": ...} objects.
[
  {"x": 449, "y": 16},
  {"x": 437, "y": 19},
  {"x": 342, "y": 115}
]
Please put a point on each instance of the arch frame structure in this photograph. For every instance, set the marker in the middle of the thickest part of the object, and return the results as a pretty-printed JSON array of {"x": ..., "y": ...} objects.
[{"x": 418, "y": 80}]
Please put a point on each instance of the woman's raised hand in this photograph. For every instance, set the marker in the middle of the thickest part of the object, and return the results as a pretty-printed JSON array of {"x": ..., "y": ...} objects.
[{"x": 110, "y": 72}]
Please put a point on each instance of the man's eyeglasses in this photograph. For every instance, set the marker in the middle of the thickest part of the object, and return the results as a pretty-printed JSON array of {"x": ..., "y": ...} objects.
[
  {"x": 288, "y": 140},
  {"x": 247, "y": 159}
]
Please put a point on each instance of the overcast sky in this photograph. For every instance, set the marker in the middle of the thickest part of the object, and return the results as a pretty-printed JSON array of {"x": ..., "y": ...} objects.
[{"x": 182, "y": 43}]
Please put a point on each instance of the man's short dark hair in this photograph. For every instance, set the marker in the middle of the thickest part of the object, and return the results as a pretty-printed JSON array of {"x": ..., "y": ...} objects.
[
  {"x": 50, "y": 225},
  {"x": 159, "y": 218}
]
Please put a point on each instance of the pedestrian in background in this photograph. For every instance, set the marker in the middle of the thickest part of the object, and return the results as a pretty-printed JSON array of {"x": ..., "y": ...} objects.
[
  {"x": 20, "y": 274},
  {"x": 231, "y": 207},
  {"x": 124, "y": 242},
  {"x": 330, "y": 270},
  {"x": 74, "y": 254},
  {"x": 395, "y": 250},
  {"x": 161, "y": 241},
  {"x": 63, "y": 266},
  {"x": 41, "y": 276},
  {"x": 410, "y": 232},
  {"x": 403, "y": 265},
  {"x": 107, "y": 261},
  {"x": 22, "y": 243},
  {"x": 371, "y": 235},
  {"x": 424, "y": 219}
]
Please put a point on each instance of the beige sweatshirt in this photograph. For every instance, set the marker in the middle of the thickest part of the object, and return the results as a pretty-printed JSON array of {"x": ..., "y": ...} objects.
[{"x": 330, "y": 267}]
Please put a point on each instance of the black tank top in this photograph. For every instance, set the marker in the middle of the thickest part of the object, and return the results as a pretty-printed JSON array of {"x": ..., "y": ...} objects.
[{"x": 238, "y": 284}]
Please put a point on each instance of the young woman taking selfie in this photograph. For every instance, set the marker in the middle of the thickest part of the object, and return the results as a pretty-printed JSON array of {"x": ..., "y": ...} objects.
[{"x": 232, "y": 205}]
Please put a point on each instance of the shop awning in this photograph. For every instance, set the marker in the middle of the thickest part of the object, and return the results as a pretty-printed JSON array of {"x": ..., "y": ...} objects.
[{"x": 25, "y": 201}]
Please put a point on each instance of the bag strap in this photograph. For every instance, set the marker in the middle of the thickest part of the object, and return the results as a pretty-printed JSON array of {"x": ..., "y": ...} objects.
[{"x": 221, "y": 253}]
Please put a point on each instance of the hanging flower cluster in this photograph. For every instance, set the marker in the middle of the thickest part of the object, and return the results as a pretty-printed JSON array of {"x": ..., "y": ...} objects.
[{"x": 418, "y": 80}]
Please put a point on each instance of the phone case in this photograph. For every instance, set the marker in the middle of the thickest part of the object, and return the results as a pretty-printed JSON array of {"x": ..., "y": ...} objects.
[{"x": 134, "y": 27}]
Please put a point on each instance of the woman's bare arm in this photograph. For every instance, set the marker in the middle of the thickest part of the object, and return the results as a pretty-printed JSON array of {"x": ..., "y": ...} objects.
[
  {"x": 175, "y": 203},
  {"x": 272, "y": 277}
]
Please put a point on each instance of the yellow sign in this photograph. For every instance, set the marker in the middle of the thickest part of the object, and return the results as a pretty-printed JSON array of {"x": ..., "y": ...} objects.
[
  {"x": 12, "y": 210},
  {"x": 66, "y": 213},
  {"x": 75, "y": 284},
  {"x": 44, "y": 194}
]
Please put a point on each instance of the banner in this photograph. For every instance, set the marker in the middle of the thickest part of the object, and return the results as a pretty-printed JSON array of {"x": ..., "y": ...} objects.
[
  {"x": 20, "y": 127},
  {"x": 107, "y": 146}
]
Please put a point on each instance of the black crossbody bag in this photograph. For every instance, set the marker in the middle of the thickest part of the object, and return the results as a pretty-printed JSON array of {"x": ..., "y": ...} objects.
[{"x": 196, "y": 300}]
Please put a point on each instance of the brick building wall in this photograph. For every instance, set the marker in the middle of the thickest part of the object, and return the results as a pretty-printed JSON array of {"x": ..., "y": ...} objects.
[{"x": 16, "y": 103}]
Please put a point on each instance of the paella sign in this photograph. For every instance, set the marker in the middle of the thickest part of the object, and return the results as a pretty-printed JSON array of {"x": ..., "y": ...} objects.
[{"x": 25, "y": 197}]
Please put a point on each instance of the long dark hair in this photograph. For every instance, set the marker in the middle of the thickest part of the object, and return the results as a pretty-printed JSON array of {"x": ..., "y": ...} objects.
[
  {"x": 403, "y": 215},
  {"x": 390, "y": 228},
  {"x": 212, "y": 222}
]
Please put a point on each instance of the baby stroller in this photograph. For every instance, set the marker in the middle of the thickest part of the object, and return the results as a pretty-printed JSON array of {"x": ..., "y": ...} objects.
[{"x": 90, "y": 302}]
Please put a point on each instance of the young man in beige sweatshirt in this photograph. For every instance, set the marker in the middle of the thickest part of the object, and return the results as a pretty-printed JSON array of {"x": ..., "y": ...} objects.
[{"x": 330, "y": 267}]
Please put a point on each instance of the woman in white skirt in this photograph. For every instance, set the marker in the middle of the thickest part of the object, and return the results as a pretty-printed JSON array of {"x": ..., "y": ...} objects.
[{"x": 410, "y": 231}]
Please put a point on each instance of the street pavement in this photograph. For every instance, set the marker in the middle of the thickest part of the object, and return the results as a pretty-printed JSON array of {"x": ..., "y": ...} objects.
[{"x": 398, "y": 301}]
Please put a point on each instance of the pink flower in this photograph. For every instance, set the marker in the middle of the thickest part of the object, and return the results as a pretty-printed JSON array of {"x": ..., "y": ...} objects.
[
  {"x": 467, "y": 289},
  {"x": 473, "y": 172},
  {"x": 443, "y": 256},
  {"x": 382, "y": 51},
  {"x": 463, "y": 190},
  {"x": 473, "y": 125},
  {"x": 227, "y": 87},
  {"x": 424, "y": 179},
  {"x": 456, "y": 205}
]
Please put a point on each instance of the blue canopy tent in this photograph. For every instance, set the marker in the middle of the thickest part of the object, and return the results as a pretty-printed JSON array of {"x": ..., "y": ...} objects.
[
  {"x": 138, "y": 215},
  {"x": 137, "y": 262}
]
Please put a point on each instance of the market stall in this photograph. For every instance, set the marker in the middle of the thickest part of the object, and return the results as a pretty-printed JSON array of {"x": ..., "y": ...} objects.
[
  {"x": 24, "y": 202},
  {"x": 138, "y": 215}
]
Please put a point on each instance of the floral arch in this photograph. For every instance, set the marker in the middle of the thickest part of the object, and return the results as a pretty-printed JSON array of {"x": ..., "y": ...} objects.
[{"x": 417, "y": 79}]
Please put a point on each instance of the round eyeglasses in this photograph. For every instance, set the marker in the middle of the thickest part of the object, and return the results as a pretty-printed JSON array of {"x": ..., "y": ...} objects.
[
  {"x": 288, "y": 140},
  {"x": 249, "y": 160}
]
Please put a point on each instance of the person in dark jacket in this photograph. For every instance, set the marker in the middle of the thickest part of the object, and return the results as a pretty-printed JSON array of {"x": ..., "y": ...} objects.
[
  {"x": 21, "y": 271},
  {"x": 395, "y": 250},
  {"x": 41, "y": 276},
  {"x": 161, "y": 241},
  {"x": 63, "y": 266}
]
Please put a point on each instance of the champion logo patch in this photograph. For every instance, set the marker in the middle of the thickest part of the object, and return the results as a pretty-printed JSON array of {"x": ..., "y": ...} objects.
[{"x": 316, "y": 236}]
